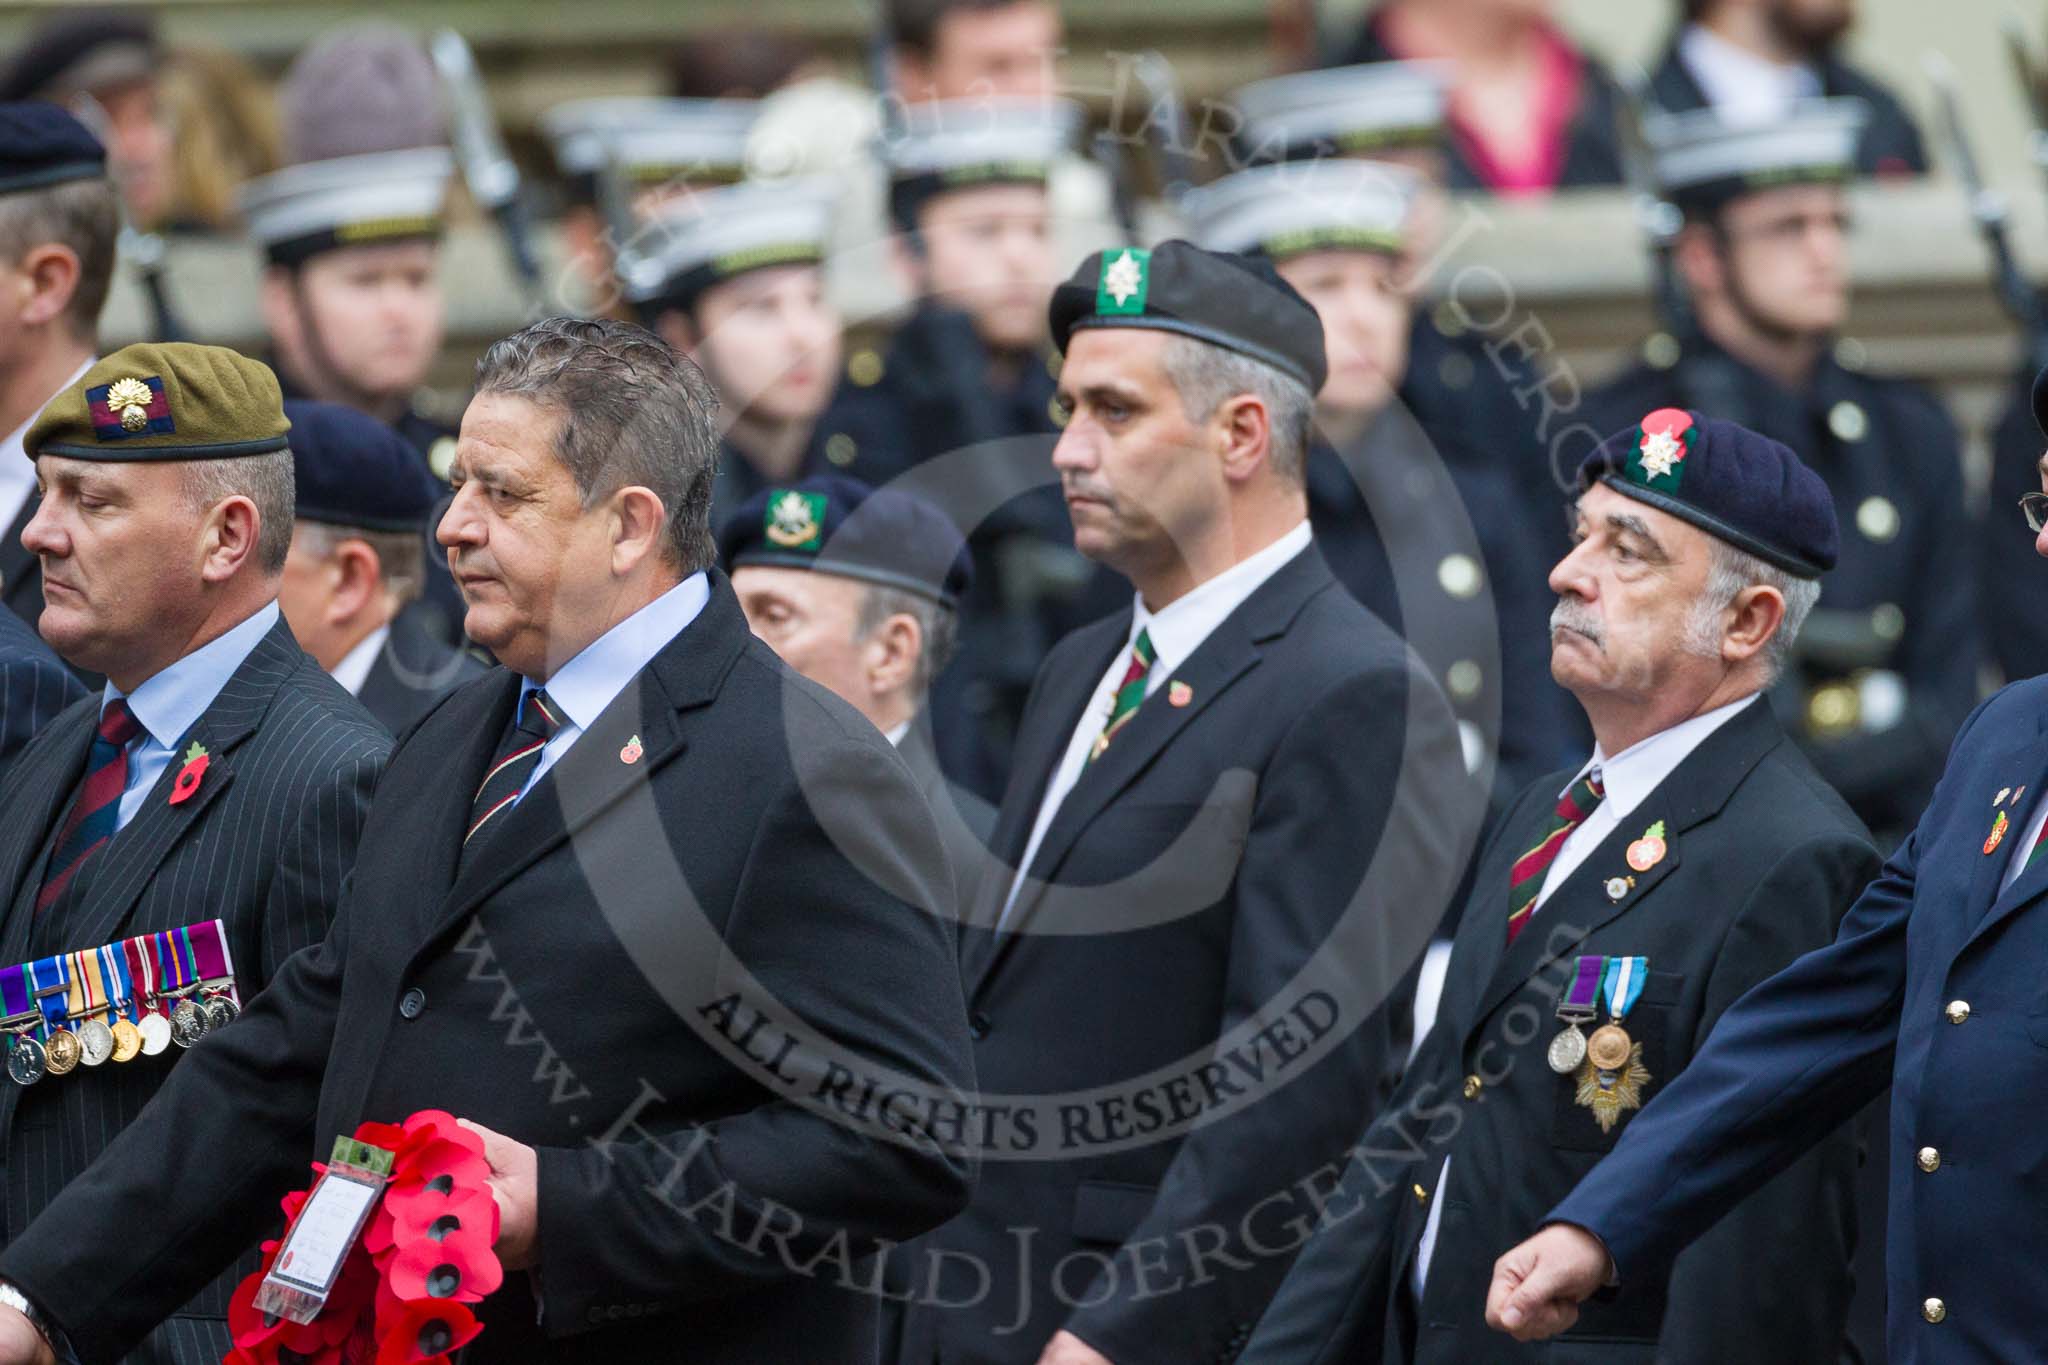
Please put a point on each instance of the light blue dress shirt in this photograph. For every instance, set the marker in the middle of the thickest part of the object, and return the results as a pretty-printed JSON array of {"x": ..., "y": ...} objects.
[
  {"x": 588, "y": 683},
  {"x": 170, "y": 702}
]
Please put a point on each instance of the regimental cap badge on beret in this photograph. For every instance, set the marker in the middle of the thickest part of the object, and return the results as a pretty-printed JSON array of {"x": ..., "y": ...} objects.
[
  {"x": 130, "y": 407},
  {"x": 1126, "y": 280},
  {"x": 795, "y": 520},
  {"x": 1663, "y": 440}
]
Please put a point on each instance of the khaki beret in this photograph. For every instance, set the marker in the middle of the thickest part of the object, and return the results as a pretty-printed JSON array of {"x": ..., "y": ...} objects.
[{"x": 165, "y": 401}]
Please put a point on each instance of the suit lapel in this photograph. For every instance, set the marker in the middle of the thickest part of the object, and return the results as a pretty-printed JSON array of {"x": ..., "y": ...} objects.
[
  {"x": 2025, "y": 766},
  {"x": 20, "y": 573},
  {"x": 116, "y": 876},
  {"x": 1584, "y": 902},
  {"x": 597, "y": 771}
]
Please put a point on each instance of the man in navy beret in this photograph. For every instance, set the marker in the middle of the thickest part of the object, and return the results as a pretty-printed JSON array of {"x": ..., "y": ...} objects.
[
  {"x": 59, "y": 219},
  {"x": 1933, "y": 987},
  {"x": 358, "y": 560},
  {"x": 1619, "y": 908},
  {"x": 860, "y": 591}
]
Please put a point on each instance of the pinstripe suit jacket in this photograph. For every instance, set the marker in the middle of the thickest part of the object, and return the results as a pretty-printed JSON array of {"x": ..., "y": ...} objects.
[
  {"x": 34, "y": 686},
  {"x": 263, "y": 845}
]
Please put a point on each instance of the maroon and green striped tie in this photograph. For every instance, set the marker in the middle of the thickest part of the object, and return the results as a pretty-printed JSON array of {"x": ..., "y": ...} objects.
[
  {"x": 1129, "y": 693},
  {"x": 1525, "y": 878}
]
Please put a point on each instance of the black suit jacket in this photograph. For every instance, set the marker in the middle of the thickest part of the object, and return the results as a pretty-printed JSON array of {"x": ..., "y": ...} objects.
[
  {"x": 263, "y": 845},
  {"x": 1206, "y": 875},
  {"x": 1763, "y": 859},
  {"x": 1890, "y": 144},
  {"x": 21, "y": 574},
  {"x": 584, "y": 986},
  {"x": 965, "y": 821},
  {"x": 34, "y": 686},
  {"x": 414, "y": 670}
]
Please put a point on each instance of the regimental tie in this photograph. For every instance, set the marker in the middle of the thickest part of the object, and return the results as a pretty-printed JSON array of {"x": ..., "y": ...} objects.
[
  {"x": 96, "y": 813},
  {"x": 2034, "y": 853},
  {"x": 1129, "y": 693},
  {"x": 512, "y": 766},
  {"x": 1525, "y": 878}
]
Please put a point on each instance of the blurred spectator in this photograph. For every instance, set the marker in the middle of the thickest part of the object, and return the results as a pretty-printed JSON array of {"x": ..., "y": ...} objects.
[
  {"x": 1529, "y": 111},
  {"x": 367, "y": 87},
  {"x": 112, "y": 56},
  {"x": 227, "y": 134},
  {"x": 956, "y": 49},
  {"x": 1753, "y": 59},
  {"x": 741, "y": 64}
]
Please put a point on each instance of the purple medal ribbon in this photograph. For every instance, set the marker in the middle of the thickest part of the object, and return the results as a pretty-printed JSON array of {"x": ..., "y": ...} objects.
[{"x": 1585, "y": 992}]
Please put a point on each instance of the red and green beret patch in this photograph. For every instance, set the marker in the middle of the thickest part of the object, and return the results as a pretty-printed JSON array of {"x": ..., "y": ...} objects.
[
  {"x": 1663, "y": 440},
  {"x": 129, "y": 407}
]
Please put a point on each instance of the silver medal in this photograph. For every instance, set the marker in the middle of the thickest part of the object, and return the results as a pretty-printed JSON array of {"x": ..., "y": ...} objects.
[
  {"x": 96, "y": 1042},
  {"x": 156, "y": 1033},
  {"x": 220, "y": 1012},
  {"x": 188, "y": 1023},
  {"x": 1567, "y": 1050},
  {"x": 26, "y": 1063}
]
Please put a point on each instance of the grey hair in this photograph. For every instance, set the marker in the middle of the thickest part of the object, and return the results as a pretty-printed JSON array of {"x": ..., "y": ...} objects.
[
  {"x": 634, "y": 411},
  {"x": 84, "y": 215},
  {"x": 936, "y": 625},
  {"x": 267, "y": 481},
  {"x": 401, "y": 555},
  {"x": 1205, "y": 376},
  {"x": 1730, "y": 572}
]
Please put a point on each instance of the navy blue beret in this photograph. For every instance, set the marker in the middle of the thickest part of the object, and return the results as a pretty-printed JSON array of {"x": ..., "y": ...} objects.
[
  {"x": 840, "y": 525},
  {"x": 1745, "y": 489},
  {"x": 1237, "y": 302},
  {"x": 354, "y": 471},
  {"x": 83, "y": 47},
  {"x": 41, "y": 145}
]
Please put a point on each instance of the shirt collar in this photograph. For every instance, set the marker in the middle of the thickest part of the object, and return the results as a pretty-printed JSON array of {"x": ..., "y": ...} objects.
[
  {"x": 171, "y": 701},
  {"x": 1629, "y": 777},
  {"x": 354, "y": 669},
  {"x": 1178, "y": 628},
  {"x": 585, "y": 685}
]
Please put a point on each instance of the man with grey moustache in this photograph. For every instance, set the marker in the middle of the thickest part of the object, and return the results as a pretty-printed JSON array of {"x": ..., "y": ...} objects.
[{"x": 1617, "y": 911}]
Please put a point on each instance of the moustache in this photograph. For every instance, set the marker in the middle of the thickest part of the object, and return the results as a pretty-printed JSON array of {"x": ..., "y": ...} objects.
[
  {"x": 1571, "y": 615},
  {"x": 1085, "y": 488}
]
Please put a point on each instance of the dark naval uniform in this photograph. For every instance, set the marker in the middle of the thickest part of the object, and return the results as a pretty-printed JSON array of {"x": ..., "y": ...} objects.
[
  {"x": 1726, "y": 869},
  {"x": 1887, "y": 665},
  {"x": 2015, "y": 618}
]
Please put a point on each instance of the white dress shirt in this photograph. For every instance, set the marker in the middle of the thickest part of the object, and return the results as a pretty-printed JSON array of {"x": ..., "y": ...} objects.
[
  {"x": 17, "y": 472},
  {"x": 1177, "y": 631},
  {"x": 1627, "y": 780},
  {"x": 354, "y": 669},
  {"x": 584, "y": 686},
  {"x": 1743, "y": 88},
  {"x": 171, "y": 701}
]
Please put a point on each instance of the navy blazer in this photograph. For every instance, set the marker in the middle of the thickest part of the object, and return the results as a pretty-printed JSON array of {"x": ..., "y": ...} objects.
[{"x": 1934, "y": 983}]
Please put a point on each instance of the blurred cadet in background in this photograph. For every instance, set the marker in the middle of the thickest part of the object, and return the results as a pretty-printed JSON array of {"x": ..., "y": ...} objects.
[
  {"x": 1887, "y": 668},
  {"x": 1753, "y": 60}
]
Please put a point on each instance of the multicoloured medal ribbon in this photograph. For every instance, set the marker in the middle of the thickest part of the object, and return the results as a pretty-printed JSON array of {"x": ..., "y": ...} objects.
[
  {"x": 50, "y": 979},
  {"x": 152, "y": 1017},
  {"x": 88, "y": 1001},
  {"x": 181, "y": 979},
  {"x": 26, "y": 1060},
  {"x": 121, "y": 1008},
  {"x": 1580, "y": 1005},
  {"x": 1613, "y": 1077}
]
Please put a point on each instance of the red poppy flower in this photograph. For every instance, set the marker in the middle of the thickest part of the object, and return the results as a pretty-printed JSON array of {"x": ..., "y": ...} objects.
[
  {"x": 460, "y": 1266},
  {"x": 188, "y": 779},
  {"x": 426, "y": 1330}
]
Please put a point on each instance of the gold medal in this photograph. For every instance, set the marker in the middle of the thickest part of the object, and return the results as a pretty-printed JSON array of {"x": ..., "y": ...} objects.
[
  {"x": 1611, "y": 1092},
  {"x": 63, "y": 1052},
  {"x": 1608, "y": 1048},
  {"x": 127, "y": 1041}
]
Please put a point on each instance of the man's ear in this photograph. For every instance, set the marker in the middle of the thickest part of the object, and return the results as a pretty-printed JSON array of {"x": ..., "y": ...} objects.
[
  {"x": 1698, "y": 256},
  {"x": 277, "y": 300},
  {"x": 232, "y": 531},
  {"x": 640, "y": 524},
  {"x": 52, "y": 270},
  {"x": 1755, "y": 616},
  {"x": 893, "y": 648},
  {"x": 358, "y": 577},
  {"x": 1245, "y": 427}
]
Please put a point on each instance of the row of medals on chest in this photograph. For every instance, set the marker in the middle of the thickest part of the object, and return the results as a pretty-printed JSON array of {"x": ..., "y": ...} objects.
[
  {"x": 1608, "y": 1048},
  {"x": 182, "y": 1017}
]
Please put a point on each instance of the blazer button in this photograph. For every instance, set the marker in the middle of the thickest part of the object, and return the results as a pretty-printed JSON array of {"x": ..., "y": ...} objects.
[
  {"x": 1934, "y": 1310},
  {"x": 1930, "y": 1160},
  {"x": 1957, "y": 1011},
  {"x": 977, "y": 1026},
  {"x": 414, "y": 1004},
  {"x": 1473, "y": 1085}
]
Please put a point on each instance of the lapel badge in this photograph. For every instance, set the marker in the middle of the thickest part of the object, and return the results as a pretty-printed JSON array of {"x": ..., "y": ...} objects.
[
  {"x": 1997, "y": 835},
  {"x": 1179, "y": 693},
  {"x": 630, "y": 754},
  {"x": 1646, "y": 852},
  {"x": 196, "y": 762},
  {"x": 1999, "y": 799},
  {"x": 1617, "y": 887}
]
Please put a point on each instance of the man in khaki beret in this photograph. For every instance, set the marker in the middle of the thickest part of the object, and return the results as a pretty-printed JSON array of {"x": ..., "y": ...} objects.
[{"x": 166, "y": 513}]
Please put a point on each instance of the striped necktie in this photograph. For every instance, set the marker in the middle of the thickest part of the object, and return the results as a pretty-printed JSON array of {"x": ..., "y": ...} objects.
[
  {"x": 512, "y": 766},
  {"x": 1129, "y": 693},
  {"x": 96, "y": 812},
  {"x": 1525, "y": 879},
  {"x": 2034, "y": 853}
]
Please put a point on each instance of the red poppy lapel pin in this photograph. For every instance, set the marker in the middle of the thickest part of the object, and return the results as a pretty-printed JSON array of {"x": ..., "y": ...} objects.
[{"x": 196, "y": 761}]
